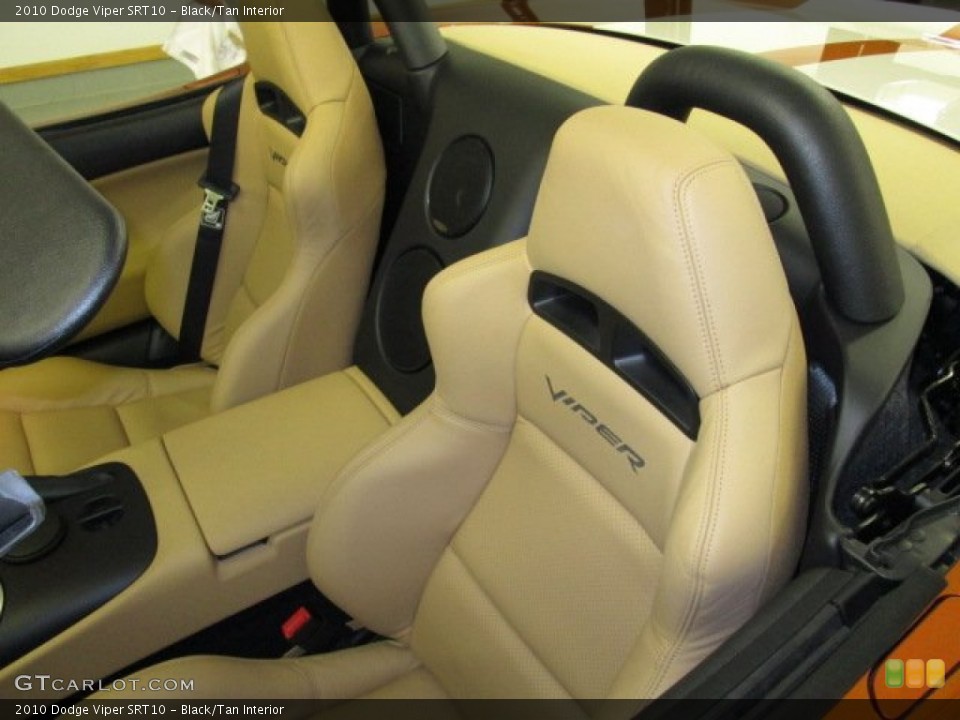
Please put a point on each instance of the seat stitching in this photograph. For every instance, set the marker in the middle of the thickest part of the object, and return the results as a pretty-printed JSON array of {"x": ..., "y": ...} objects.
[
  {"x": 341, "y": 131},
  {"x": 768, "y": 560},
  {"x": 391, "y": 437},
  {"x": 473, "y": 578},
  {"x": 527, "y": 421},
  {"x": 287, "y": 50},
  {"x": 523, "y": 420},
  {"x": 26, "y": 440},
  {"x": 320, "y": 267},
  {"x": 314, "y": 684},
  {"x": 716, "y": 490},
  {"x": 366, "y": 394},
  {"x": 173, "y": 467},
  {"x": 298, "y": 309},
  {"x": 705, "y": 534},
  {"x": 708, "y": 522},
  {"x": 290, "y": 201},
  {"x": 443, "y": 412},
  {"x": 503, "y": 255},
  {"x": 123, "y": 427},
  {"x": 768, "y": 556},
  {"x": 248, "y": 291},
  {"x": 287, "y": 46},
  {"x": 746, "y": 379},
  {"x": 694, "y": 264}
]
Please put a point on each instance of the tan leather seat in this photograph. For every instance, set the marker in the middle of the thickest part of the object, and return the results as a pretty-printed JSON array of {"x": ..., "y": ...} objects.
[
  {"x": 539, "y": 527},
  {"x": 292, "y": 275}
]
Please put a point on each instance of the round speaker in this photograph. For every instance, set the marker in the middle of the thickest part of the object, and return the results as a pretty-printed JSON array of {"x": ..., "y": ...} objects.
[
  {"x": 399, "y": 317},
  {"x": 460, "y": 186}
]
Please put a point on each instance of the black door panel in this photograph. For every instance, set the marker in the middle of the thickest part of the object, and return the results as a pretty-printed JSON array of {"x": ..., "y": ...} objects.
[{"x": 123, "y": 139}]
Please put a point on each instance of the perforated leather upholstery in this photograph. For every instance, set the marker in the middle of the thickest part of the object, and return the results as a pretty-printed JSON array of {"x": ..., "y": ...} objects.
[
  {"x": 292, "y": 275},
  {"x": 500, "y": 533}
]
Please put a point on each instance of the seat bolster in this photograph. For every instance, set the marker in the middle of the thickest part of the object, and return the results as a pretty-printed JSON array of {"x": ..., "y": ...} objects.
[
  {"x": 168, "y": 271},
  {"x": 344, "y": 675},
  {"x": 738, "y": 528},
  {"x": 473, "y": 343},
  {"x": 310, "y": 315},
  {"x": 420, "y": 684},
  {"x": 384, "y": 522},
  {"x": 418, "y": 481},
  {"x": 60, "y": 383}
]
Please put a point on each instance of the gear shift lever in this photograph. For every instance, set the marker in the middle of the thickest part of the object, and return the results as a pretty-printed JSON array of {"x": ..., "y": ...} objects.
[{"x": 21, "y": 510}]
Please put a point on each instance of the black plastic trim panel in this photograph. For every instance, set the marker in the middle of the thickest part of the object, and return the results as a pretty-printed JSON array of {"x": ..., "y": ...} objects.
[
  {"x": 516, "y": 114},
  {"x": 105, "y": 144},
  {"x": 276, "y": 104},
  {"x": 813, "y": 641},
  {"x": 63, "y": 246},
  {"x": 109, "y": 539},
  {"x": 144, "y": 344},
  {"x": 616, "y": 342}
]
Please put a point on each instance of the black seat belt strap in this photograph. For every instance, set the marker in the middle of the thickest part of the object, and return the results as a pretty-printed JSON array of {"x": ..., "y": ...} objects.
[{"x": 219, "y": 189}]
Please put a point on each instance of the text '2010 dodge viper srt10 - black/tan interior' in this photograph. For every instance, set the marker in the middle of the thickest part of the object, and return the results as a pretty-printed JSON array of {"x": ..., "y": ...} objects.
[{"x": 535, "y": 362}]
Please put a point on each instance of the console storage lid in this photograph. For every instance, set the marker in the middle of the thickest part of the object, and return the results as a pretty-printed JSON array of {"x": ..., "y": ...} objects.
[{"x": 261, "y": 468}]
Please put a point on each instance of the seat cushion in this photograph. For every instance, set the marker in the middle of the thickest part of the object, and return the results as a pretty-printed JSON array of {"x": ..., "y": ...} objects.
[{"x": 61, "y": 413}]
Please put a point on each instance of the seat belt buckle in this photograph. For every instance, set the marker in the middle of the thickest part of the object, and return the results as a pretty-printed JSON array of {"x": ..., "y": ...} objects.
[
  {"x": 307, "y": 634},
  {"x": 304, "y": 632},
  {"x": 213, "y": 212}
]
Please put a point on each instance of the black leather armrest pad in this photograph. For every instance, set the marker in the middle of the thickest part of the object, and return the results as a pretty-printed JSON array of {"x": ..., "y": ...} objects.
[{"x": 62, "y": 246}]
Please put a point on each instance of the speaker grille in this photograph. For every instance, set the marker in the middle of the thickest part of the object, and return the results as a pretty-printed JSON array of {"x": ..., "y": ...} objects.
[{"x": 460, "y": 186}]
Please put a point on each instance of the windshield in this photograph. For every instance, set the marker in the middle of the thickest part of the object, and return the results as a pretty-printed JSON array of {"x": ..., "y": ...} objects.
[{"x": 910, "y": 69}]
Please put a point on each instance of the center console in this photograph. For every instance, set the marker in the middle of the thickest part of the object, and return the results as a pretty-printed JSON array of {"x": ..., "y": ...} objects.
[
  {"x": 97, "y": 538},
  {"x": 167, "y": 537}
]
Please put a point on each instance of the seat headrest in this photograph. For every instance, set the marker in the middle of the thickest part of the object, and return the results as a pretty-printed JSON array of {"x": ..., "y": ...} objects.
[
  {"x": 664, "y": 226},
  {"x": 309, "y": 61}
]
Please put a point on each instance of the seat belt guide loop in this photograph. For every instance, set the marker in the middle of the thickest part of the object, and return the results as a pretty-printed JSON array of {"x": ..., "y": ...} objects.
[{"x": 213, "y": 213}]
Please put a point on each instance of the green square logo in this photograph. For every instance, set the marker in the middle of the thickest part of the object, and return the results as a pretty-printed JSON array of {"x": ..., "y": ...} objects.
[{"x": 893, "y": 673}]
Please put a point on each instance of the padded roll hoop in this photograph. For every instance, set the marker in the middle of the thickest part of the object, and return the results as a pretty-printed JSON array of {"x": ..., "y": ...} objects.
[{"x": 820, "y": 150}]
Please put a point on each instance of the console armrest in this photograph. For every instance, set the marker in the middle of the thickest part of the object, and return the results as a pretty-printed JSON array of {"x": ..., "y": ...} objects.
[{"x": 257, "y": 469}]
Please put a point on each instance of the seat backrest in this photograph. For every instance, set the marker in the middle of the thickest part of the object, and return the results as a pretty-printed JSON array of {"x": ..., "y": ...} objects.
[
  {"x": 610, "y": 476},
  {"x": 301, "y": 235}
]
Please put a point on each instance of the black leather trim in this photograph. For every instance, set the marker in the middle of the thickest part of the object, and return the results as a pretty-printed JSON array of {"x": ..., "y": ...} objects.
[
  {"x": 63, "y": 246},
  {"x": 820, "y": 151},
  {"x": 619, "y": 344}
]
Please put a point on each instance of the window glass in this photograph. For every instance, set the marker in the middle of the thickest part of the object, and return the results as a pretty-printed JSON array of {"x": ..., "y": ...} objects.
[{"x": 52, "y": 71}]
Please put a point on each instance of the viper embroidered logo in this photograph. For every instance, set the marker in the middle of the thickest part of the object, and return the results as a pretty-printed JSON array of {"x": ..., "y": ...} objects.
[{"x": 565, "y": 399}]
